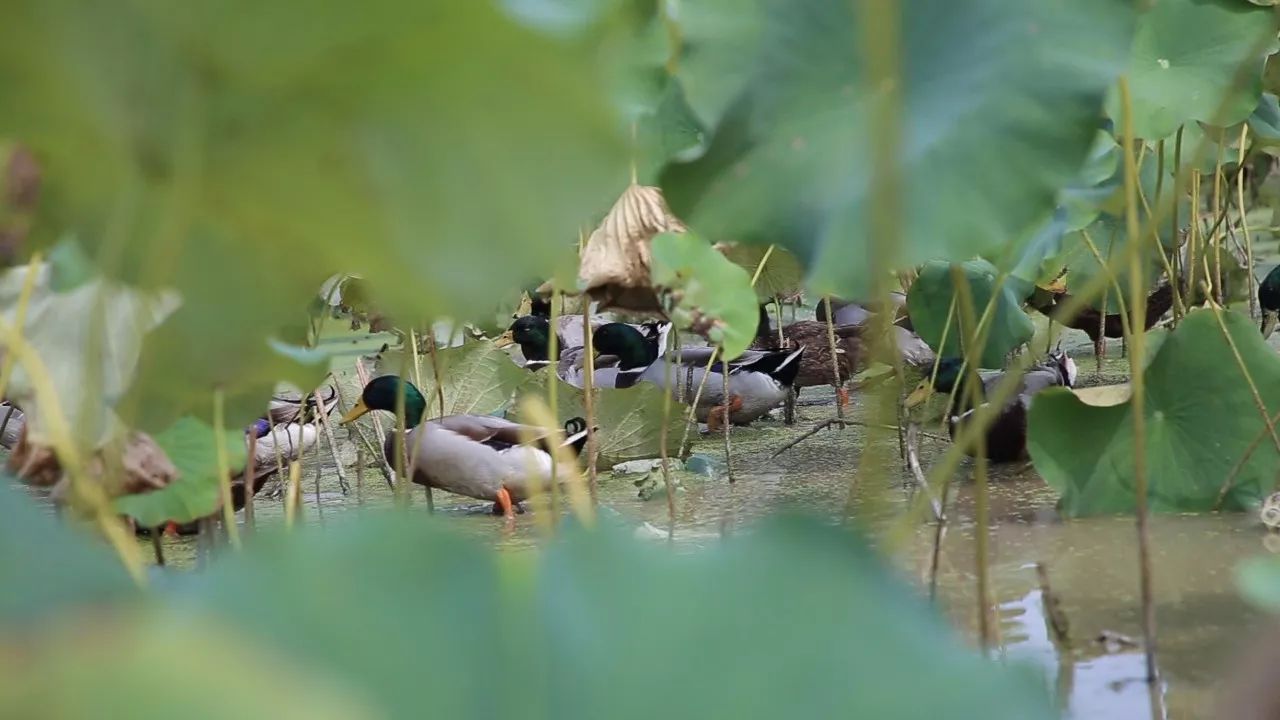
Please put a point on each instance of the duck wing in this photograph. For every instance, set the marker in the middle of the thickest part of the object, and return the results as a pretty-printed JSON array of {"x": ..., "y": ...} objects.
[{"x": 496, "y": 432}]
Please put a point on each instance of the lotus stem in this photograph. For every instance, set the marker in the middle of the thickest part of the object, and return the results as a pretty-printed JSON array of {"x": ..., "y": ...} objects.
[
  {"x": 553, "y": 394},
  {"x": 1244, "y": 225},
  {"x": 250, "y": 473},
  {"x": 589, "y": 401},
  {"x": 224, "y": 468},
  {"x": 1137, "y": 341},
  {"x": 968, "y": 315},
  {"x": 664, "y": 452},
  {"x": 835, "y": 357},
  {"x": 728, "y": 456}
]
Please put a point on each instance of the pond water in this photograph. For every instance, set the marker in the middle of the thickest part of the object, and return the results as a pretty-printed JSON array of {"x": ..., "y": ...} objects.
[{"x": 1091, "y": 563}]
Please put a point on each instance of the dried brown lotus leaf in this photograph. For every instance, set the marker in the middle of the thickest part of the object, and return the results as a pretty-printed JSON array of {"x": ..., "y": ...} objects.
[
  {"x": 615, "y": 263},
  {"x": 141, "y": 466}
]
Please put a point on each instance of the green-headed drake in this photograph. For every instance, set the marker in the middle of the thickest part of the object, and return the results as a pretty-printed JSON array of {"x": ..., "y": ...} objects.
[{"x": 479, "y": 456}]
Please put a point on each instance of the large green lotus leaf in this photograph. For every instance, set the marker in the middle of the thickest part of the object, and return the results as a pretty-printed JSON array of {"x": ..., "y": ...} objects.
[
  {"x": 243, "y": 155},
  {"x": 781, "y": 276},
  {"x": 712, "y": 294},
  {"x": 445, "y": 619},
  {"x": 669, "y": 130},
  {"x": 629, "y": 420},
  {"x": 190, "y": 446},
  {"x": 791, "y": 158},
  {"x": 1185, "y": 61},
  {"x": 144, "y": 664},
  {"x": 1200, "y": 419},
  {"x": 478, "y": 378},
  {"x": 65, "y": 568},
  {"x": 1099, "y": 179},
  {"x": 1264, "y": 123},
  {"x": 929, "y": 301}
]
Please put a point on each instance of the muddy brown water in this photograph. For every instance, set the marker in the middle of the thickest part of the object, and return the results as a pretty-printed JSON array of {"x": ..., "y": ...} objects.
[{"x": 1092, "y": 563}]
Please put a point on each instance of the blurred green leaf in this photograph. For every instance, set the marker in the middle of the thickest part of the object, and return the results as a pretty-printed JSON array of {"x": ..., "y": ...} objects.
[
  {"x": 578, "y": 623},
  {"x": 1201, "y": 419},
  {"x": 233, "y": 146},
  {"x": 190, "y": 446},
  {"x": 929, "y": 301},
  {"x": 712, "y": 294},
  {"x": 1185, "y": 64},
  {"x": 49, "y": 566},
  {"x": 147, "y": 664},
  {"x": 1006, "y": 93}
]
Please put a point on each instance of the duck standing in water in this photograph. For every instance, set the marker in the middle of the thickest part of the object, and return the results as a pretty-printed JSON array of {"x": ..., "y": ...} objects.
[
  {"x": 1007, "y": 436},
  {"x": 758, "y": 381},
  {"x": 479, "y": 456},
  {"x": 816, "y": 365}
]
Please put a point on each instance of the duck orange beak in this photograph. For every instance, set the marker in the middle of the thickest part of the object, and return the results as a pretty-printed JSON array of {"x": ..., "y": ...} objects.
[
  {"x": 504, "y": 340},
  {"x": 359, "y": 409},
  {"x": 919, "y": 396}
]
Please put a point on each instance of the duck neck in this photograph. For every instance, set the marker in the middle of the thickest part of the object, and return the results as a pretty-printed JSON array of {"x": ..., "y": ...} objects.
[{"x": 415, "y": 406}]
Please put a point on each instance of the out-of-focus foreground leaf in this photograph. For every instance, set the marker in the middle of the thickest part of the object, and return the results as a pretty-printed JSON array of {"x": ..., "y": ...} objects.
[
  {"x": 798, "y": 616},
  {"x": 243, "y": 152},
  {"x": 1000, "y": 104}
]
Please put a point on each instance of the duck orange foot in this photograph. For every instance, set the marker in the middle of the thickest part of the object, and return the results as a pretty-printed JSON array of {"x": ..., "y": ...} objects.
[
  {"x": 718, "y": 417},
  {"x": 842, "y": 396}
]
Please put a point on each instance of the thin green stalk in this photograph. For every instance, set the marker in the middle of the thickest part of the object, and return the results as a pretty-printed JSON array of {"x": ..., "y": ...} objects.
[
  {"x": 1175, "y": 231},
  {"x": 968, "y": 317},
  {"x": 665, "y": 452},
  {"x": 1244, "y": 225},
  {"x": 400, "y": 441},
  {"x": 880, "y": 40},
  {"x": 835, "y": 359},
  {"x": 224, "y": 468},
  {"x": 1137, "y": 342},
  {"x": 589, "y": 401},
  {"x": 437, "y": 377},
  {"x": 553, "y": 390}
]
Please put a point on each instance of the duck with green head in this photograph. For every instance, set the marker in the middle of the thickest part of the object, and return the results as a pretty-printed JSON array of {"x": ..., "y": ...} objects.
[
  {"x": 758, "y": 381},
  {"x": 1006, "y": 438},
  {"x": 479, "y": 456}
]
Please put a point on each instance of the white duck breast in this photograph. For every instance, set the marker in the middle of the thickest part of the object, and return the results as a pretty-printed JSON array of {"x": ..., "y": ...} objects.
[{"x": 292, "y": 440}]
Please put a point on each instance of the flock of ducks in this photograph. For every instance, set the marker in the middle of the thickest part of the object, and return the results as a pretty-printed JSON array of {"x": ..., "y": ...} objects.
[
  {"x": 496, "y": 460},
  {"x": 493, "y": 459}
]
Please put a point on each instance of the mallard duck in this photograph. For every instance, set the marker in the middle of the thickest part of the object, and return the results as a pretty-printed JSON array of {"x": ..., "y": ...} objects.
[
  {"x": 815, "y": 364},
  {"x": 1269, "y": 301},
  {"x": 758, "y": 381},
  {"x": 289, "y": 428},
  {"x": 479, "y": 456},
  {"x": 1088, "y": 319},
  {"x": 1007, "y": 436},
  {"x": 533, "y": 334}
]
